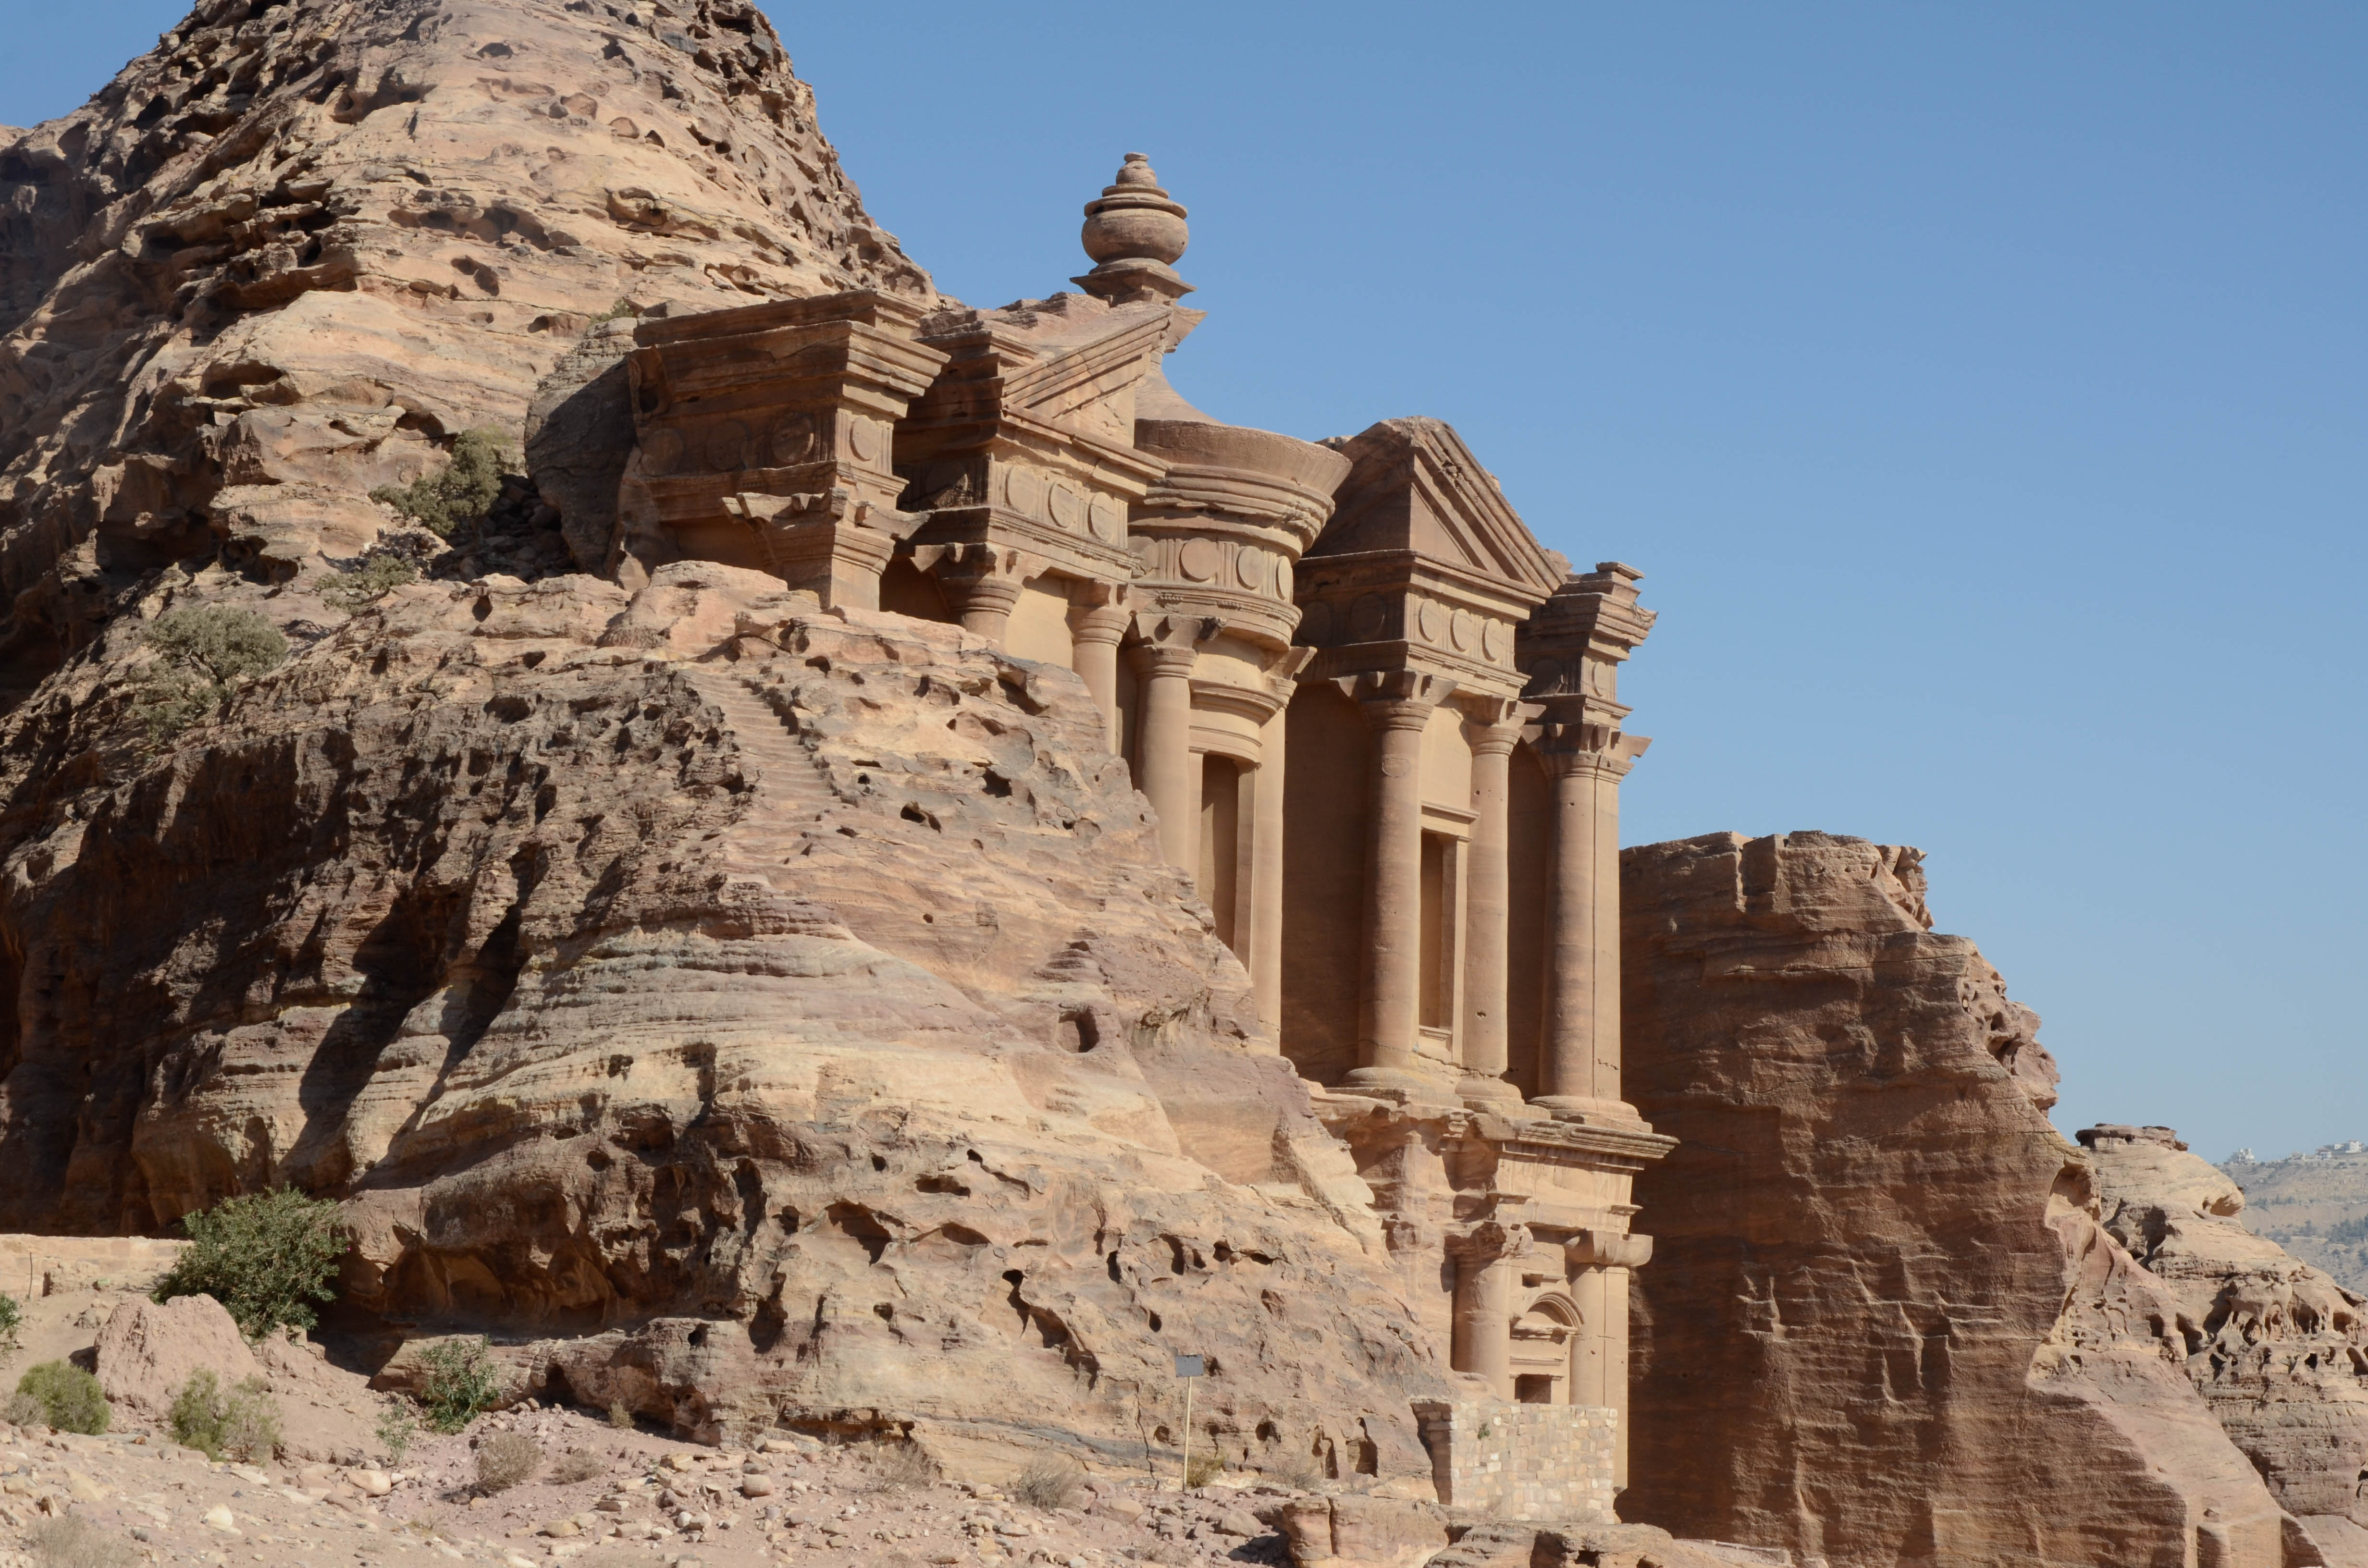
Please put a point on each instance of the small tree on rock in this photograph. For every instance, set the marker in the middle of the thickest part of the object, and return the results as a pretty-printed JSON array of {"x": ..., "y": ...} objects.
[{"x": 268, "y": 1258}]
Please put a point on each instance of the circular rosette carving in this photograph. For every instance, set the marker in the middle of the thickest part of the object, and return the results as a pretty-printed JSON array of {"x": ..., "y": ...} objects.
[
  {"x": 1200, "y": 560},
  {"x": 662, "y": 452},
  {"x": 1106, "y": 518},
  {"x": 1496, "y": 642},
  {"x": 1066, "y": 506},
  {"x": 1464, "y": 631},
  {"x": 1024, "y": 491},
  {"x": 792, "y": 440},
  {"x": 1367, "y": 618},
  {"x": 727, "y": 446},
  {"x": 1430, "y": 622}
]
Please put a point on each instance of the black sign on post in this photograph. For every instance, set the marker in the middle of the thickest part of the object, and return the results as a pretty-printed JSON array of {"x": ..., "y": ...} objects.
[{"x": 1188, "y": 1368}]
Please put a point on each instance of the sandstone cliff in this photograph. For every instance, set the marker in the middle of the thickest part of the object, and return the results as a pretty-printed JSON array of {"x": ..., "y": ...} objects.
[
  {"x": 290, "y": 253},
  {"x": 791, "y": 1011},
  {"x": 2278, "y": 1348},
  {"x": 1882, "y": 1324}
]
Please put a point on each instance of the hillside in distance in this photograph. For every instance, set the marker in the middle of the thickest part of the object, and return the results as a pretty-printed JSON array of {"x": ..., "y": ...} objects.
[{"x": 2314, "y": 1205}]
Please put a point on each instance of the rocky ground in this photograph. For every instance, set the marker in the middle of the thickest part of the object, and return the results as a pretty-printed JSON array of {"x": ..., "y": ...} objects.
[
  {"x": 639, "y": 1499},
  {"x": 603, "y": 1494}
]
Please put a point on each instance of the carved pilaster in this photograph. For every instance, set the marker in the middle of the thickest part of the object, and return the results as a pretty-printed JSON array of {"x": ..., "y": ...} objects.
[{"x": 1571, "y": 652}]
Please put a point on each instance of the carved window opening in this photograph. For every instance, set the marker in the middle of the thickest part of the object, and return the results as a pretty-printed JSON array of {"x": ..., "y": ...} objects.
[
  {"x": 1440, "y": 881},
  {"x": 1536, "y": 1389},
  {"x": 1222, "y": 882}
]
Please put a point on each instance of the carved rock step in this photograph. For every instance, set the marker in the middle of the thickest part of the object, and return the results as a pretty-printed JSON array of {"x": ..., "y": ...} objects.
[{"x": 792, "y": 791}]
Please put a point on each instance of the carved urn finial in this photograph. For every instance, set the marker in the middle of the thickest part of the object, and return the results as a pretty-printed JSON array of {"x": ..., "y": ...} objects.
[{"x": 1134, "y": 231}]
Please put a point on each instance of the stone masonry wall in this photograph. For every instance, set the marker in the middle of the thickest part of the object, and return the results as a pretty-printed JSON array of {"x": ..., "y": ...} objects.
[{"x": 1523, "y": 1462}]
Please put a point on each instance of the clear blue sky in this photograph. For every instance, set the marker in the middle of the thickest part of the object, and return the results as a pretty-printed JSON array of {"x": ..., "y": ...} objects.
[{"x": 1981, "y": 388}]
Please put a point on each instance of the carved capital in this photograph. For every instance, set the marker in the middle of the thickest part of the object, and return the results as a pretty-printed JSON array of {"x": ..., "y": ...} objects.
[
  {"x": 1587, "y": 745},
  {"x": 1397, "y": 699},
  {"x": 1490, "y": 1242},
  {"x": 1492, "y": 724},
  {"x": 1152, "y": 659},
  {"x": 1166, "y": 631},
  {"x": 1608, "y": 1249},
  {"x": 1282, "y": 676}
]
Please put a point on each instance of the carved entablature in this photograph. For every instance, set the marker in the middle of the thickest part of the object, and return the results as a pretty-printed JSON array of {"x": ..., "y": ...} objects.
[
  {"x": 1570, "y": 654},
  {"x": 1423, "y": 566},
  {"x": 764, "y": 433},
  {"x": 1219, "y": 533},
  {"x": 1026, "y": 440}
]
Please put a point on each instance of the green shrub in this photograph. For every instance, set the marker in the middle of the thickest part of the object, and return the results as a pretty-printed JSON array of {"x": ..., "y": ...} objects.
[
  {"x": 268, "y": 1257},
  {"x": 23, "y": 1410},
  {"x": 381, "y": 573},
  {"x": 69, "y": 1397},
  {"x": 463, "y": 493},
  {"x": 459, "y": 1383},
  {"x": 12, "y": 1319},
  {"x": 244, "y": 1424},
  {"x": 397, "y": 1425},
  {"x": 201, "y": 650}
]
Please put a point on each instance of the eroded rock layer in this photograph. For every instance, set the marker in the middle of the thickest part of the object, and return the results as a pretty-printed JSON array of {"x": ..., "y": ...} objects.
[
  {"x": 2278, "y": 1348},
  {"x": 285, "y": 256},
  {"x": 779, "y": 1013},
  {"x": 1882, "y": 1324}
]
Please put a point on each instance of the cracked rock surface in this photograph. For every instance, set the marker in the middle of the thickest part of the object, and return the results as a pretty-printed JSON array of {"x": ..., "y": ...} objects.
[{"x": 745, "y": 1011}]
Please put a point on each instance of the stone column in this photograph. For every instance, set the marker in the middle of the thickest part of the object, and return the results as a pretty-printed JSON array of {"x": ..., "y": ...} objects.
[
  {"x": 1265, "y": 875},
  {"x": 1591, "y": 1379},
  {"x": 1397, "y": 708},
  {"x": 1492, "y": 729},
  {"x": 980, "y": 583},
  {"x": 1486, "y": 1259},
  {"x": 1164, "y": 761},
  {"x": 1580, "y": 1072},
  {"x": 1600, "y": 1262},
  {"x": 1094, "y": 641}
]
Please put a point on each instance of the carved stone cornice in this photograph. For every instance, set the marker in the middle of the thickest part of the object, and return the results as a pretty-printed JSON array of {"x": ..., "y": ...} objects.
[{"x": 1571, "y": 649}]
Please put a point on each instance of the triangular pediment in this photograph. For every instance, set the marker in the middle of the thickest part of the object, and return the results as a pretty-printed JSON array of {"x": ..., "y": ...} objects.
[
  {"x": 1090, "y": 387},
  {"x": 1417, "y": 487}
]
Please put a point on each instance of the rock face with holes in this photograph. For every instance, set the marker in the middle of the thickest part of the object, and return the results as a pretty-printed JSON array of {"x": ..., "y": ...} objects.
[
  {"x": 2278, "y": 1350},
  {"x": 1883, "y": 1323},
  {"x": 783, "y": 1013},
  {"x": 289, "y": 251}
]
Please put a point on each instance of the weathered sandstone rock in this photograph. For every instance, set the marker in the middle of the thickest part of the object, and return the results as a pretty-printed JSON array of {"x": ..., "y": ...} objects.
[
  {"x": 147, "y": 1352},
  {"x": 783, "y": 1013},
  {"x": 1882, "y": 1324},
  {"x": 288, "y": 253},
  {"x": 2278, "y": 1348}
]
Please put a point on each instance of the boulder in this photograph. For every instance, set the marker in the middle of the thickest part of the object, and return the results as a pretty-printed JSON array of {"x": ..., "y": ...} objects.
[{"x": 148, "y": 1351}]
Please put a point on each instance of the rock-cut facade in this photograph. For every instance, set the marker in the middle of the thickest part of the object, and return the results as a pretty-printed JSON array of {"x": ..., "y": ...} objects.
[{"x": 1378, "y": 723}]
